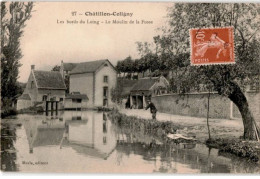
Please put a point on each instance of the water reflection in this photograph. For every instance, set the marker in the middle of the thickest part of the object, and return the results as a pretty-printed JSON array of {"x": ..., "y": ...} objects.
[
  {"x": 90, "y": 136},
  {"x": 87, "y": 141},
  {"x": 8, "y": 153}
]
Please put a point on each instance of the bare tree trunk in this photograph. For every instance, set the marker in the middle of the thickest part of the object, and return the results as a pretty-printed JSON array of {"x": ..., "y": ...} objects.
[
  {"x": 208, "y": 116},
  {"x": 251, "y": 130}
]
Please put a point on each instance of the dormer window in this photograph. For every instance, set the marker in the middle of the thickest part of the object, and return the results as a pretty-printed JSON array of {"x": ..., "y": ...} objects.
[
  {"x": 105, "y": 64},
  {"x": 31, "y": 84}
]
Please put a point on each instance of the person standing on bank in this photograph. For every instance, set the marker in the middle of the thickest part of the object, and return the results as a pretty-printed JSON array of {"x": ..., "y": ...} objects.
[{"x": 153, "y": 109}]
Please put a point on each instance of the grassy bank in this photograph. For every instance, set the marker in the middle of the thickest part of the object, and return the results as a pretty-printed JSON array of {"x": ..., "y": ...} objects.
[
  {"x": 244, "y": 149},
  {"x": 11, "y": 112},
  {"x": 31, "y": 110},
  {"x": 152, "y": 127}
]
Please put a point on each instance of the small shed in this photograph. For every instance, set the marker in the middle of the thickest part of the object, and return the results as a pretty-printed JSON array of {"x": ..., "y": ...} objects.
[
  {"x": 145, "y": 88},
  {"x": 75, "y": 100},
  {"x": 125, "y": 86}
]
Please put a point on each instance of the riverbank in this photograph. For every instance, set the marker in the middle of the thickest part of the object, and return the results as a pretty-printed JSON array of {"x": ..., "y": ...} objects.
[
  {"x": 12, "y": 112},
  {"x": 225, "y": 133},
  {"x": 219, "y": 128},
  {"x": 123, "y": 148}
]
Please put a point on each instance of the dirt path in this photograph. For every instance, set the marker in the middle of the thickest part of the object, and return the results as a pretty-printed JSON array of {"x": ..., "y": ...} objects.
[{"x": 220, "y": 128}]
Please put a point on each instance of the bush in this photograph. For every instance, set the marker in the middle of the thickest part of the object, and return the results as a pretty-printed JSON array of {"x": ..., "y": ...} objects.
[
  {"x": 8, "y": 111},
  {"x": 245, "y": 149},
  {"x": 32, "y": 109},
  {"x": 157, "y": 128}
]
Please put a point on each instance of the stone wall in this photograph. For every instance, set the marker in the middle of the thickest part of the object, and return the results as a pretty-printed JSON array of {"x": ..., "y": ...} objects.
[{"x": 196, "y": 105}]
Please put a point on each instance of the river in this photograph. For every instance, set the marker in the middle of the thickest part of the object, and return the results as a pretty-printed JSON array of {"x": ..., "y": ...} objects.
[{"x": 87, "y": 142}]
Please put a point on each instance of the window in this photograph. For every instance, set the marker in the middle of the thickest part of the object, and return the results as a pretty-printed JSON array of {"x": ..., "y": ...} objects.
[
  {"x": 105, "y": 91},
  {"x": 105, "y": 79},
  {"x": 31, "y": 84},
  {"x": 76, "y": 100},
  {"x": 74, "y": 118},
  {"x": 44, "y": 98},
  {"x": 61, "y": 99},
  {"x": 104, "y": 140},
  {"x": 105, "y": 103}
]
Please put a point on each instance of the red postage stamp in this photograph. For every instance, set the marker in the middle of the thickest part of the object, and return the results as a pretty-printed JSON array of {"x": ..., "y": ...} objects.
[{"x": 211, "y": 46}]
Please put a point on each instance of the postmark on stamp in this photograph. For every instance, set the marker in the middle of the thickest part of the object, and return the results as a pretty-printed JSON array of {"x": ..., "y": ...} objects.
[{"x": 211, "y": 46}]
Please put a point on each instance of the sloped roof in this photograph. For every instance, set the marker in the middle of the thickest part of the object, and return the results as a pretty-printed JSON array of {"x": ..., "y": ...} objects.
[
  {"x": 49, "y": 79},
  {"x": 126, "y": 85},
  {"x": 144, "y": 84},
  {"x": 88, "y": 67},
  {"x": 25, "y": 97},
  {"x": 69, "y": 66},
  {"x": 126, "y": 91},
  {"x": 76, "y": 96}
]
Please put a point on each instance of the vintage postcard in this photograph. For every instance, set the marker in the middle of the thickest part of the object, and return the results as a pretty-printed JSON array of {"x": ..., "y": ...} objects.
[{"x": 130, "y": 87}]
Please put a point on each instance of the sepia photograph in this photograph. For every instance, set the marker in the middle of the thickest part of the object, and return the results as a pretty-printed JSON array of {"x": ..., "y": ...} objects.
[{"x": 130, "y": 87}]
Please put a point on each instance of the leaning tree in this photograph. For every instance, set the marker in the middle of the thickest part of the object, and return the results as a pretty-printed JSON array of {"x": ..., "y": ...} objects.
[
  {"x": 13, "y": 18},
  {"x": 224, "y": 79}
]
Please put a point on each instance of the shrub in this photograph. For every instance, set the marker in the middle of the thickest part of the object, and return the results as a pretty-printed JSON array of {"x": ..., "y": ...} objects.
[
  {"x": 8, "y": 111},
  {"x": 157, "y": 128},
  {"x": 245, "y": 149}
]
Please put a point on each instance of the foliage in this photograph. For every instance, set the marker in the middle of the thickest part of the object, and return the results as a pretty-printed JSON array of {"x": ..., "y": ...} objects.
[
  {"x": 32, "y": 109},
  {"x": 56, "y": 68},
  {"x": 13, "y": 18},
  {"x": 7, "y": 110},
  {"x": 116, "y": 93},
  {"x": 148, "y": 61},
  {"x": 126, "y": 66},
  {"x": 224, "y": 79},
  {"x": 237, "y": 147},
  {"x": 173, "y": 49},
  {"x": 155, "y": 128},
  {"x": 242, "y": 17}
]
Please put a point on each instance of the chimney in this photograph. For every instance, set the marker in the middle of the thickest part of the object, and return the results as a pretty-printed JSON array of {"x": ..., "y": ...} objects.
[
  {"x": 32, "y": 67},
  {"x": 62, "y": 69}
]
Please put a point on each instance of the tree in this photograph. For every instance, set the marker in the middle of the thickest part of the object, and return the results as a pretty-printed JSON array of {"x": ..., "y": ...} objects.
[
  {"x": 12, "y": 25},
  {"x": 56, "y": 68},
  {"x": 116, "y": 92},
  {"x": 126, "y": 66},
  {"x": 224, "y": 79}
]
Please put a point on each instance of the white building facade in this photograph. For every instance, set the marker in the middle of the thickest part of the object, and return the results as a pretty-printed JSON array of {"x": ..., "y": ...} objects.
[{"x": 96, "y": 79}]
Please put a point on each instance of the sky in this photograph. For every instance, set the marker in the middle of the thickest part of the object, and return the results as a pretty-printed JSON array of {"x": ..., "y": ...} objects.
[{"x": 46, "y": 41}]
